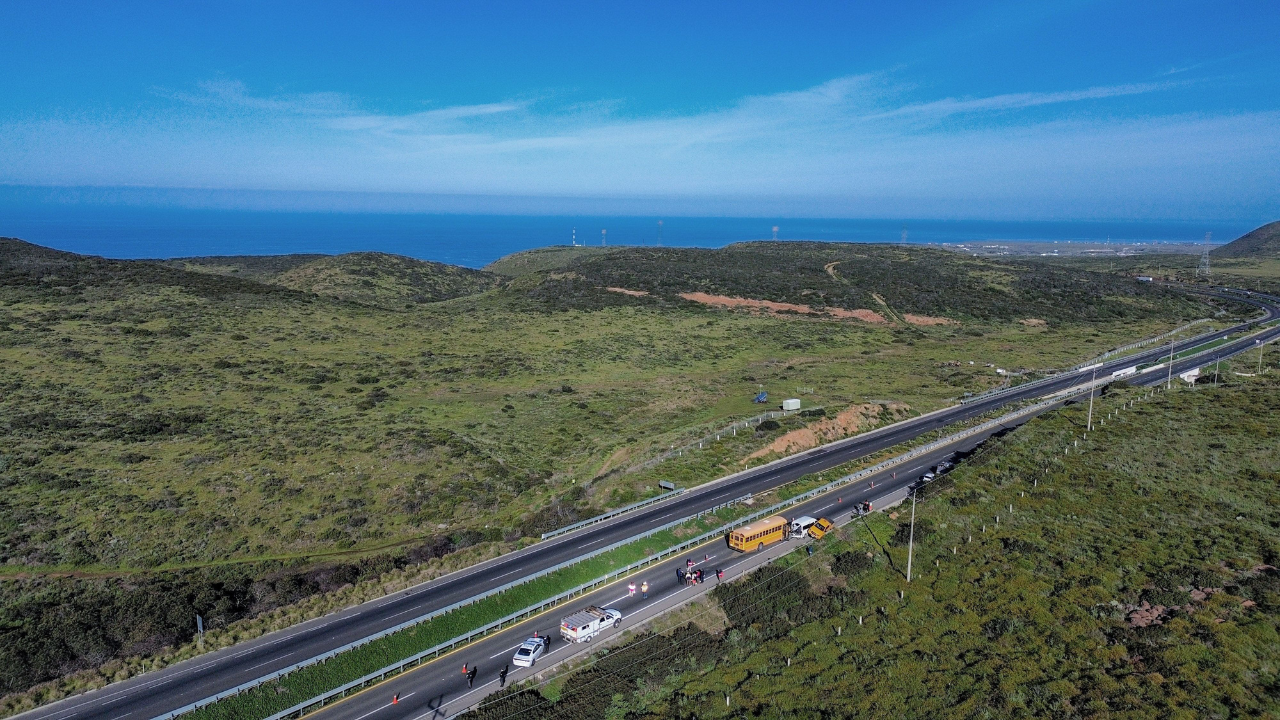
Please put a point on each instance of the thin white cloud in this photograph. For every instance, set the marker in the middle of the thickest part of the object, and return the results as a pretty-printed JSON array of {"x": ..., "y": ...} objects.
[
  {"x": 853, "y": 138},
  {"x": 1016, "y": 101}
]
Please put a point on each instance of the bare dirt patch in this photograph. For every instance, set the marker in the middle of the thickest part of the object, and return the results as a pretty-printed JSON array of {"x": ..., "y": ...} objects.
[
  {"x": 866, "y": 315},
  {"x": 625, "y": 291},
  {"x": 777, "y": 307},
  {"x": 927, "y": 320},
  {"x": 1033, "y": 322},
  {"x": 845, "y": 423}
]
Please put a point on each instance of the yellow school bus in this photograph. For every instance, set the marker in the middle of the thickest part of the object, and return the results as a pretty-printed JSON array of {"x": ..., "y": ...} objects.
[{"x": 759, "y": 533}]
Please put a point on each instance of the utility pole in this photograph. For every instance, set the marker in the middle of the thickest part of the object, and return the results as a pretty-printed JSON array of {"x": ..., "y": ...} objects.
[
  {"x": 911, "y": 537},
  {"x": 1092, "y": 391},
  {"x": 1169, "y": 382},
  {"x": 1217, "y": 362},
  {"x": 200, "y": 631},
  {"x": 1260, "y": 346}
]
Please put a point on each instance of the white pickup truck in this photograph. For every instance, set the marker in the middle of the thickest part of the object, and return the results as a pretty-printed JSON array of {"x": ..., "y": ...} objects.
[{"x": 583, "y": 625}]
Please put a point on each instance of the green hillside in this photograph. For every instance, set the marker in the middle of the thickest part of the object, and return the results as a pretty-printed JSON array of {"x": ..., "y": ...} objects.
[
  {"x": 206, "y": 436},
  {"x": 1263, "y": 242},
  {"x": 370, "y": 278},
  {"x": 890, "y": 280},
  {"x": 1134, "y": 577},
  {"x": 391, "y": 281},
  {"x": 542, "y": 259},
  {"x": 260, "y": 268}
]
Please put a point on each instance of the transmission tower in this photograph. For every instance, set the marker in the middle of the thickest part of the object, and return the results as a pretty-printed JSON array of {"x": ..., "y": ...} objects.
[{"x": 1204, "y": 257}]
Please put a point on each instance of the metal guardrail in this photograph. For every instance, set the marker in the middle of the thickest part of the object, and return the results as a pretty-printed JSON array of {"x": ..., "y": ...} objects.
[
  {"x": 421, "y": 619},
  {"x": 316, "y": 703},
  {"x": 717, "y": 435},
  {"x": 996, "y": 392},
  {"x": 612, "y": 514},
  {"x": 1141, "y": 343},
  {"x": 397, "y": 667}
]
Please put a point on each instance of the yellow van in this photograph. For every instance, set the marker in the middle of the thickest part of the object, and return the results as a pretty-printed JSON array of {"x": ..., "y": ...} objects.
[{"x": 820, "y": 528}]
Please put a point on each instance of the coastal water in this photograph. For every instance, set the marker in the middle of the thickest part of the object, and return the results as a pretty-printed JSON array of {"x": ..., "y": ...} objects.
[{"x": 474, "y": 240}]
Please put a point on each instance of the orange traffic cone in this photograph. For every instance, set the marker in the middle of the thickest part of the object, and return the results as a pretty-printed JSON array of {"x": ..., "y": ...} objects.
[{"x": 395, "y": 699}]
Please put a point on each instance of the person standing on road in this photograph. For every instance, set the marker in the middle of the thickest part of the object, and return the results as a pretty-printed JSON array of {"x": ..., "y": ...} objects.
[
  {"x": 502, "y": 676},
  {"x": 631, "y": 588},
  {"x": 644, "y": 590},
  {"x": 719, "y": 575},
  {"x": 471, "y": 676},
  {"x": 679, "y": 576}
]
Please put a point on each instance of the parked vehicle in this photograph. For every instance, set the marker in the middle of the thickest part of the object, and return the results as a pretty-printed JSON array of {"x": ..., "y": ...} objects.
[
  {"x": 759, "y": 533},
  {"x": 585, "y": 624},
  {"x": 820, "y": 528},
  {"x": 801, "y": 525},
  {"x": 529, "y": 652}
]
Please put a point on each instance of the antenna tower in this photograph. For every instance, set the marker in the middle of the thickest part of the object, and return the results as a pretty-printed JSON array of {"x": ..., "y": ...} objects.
[
  {"x": 603, "y": 235},
  {"x": 775, "y": 232},
  {"x": 659, "y": 233},
  {"x": 904, "y": 234},
  {"x": 1204, "y": 257}
]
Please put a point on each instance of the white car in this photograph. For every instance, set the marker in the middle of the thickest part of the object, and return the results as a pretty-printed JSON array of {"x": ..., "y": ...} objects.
[{"x": 529, "y": 652}]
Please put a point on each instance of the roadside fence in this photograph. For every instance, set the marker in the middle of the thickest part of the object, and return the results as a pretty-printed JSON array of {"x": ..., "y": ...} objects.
[{"x": 612, "y": 514}]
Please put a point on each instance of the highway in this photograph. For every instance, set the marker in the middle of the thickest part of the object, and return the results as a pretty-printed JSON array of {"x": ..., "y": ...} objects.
[{"x": 157, "y": 693}]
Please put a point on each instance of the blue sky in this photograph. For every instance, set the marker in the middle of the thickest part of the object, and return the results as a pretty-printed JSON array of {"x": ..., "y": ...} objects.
[{"x": 1053, "y": 110}]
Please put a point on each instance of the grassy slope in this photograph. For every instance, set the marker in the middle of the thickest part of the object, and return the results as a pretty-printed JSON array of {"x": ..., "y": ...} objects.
[
  {"x": 370, "y": 278},
  {"x": 909, "y": 279},
  {"x": 542, "y": 259},
  {"x": 1251, "y": 261},
  {"x": 1260, "y": 243},
  {"x": 1031, "y": 618},
  {"x": 159, "y": 419},
  {"x": 259, "y": 268}
]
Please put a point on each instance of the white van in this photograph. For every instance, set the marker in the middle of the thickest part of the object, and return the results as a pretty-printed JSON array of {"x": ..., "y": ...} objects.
[{"x": 801, "y": 525}]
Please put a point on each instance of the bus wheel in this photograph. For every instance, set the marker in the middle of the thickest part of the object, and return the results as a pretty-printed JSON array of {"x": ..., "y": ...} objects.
[{"x": 759, "y": 547}]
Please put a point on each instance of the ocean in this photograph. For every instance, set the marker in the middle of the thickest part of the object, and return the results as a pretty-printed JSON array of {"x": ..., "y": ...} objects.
[{"x": 475, "y": 240}]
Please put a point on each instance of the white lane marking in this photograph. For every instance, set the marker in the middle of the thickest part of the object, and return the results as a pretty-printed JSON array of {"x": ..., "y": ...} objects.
[
  {"x": 362, "y": 717},
  {"x": 504, "y": 652},
  {"x": 664, "y": 517},
  {"x": 404, "y": 612},
  {"x": 267, "y": 662},
  {"x": 513, "y": 572}
]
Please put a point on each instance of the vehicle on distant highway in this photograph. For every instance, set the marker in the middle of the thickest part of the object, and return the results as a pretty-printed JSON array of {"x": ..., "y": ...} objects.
[
  {"x": 583, "y": 625},
  {"x": 759, "y": 533},
  {"x": 820, "y": 528},
  {"x": 801, "y": 525},
  {"x": 529, "y": 652}
]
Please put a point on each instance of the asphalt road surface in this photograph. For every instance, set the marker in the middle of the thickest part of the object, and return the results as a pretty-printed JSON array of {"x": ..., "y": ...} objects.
[{"x": 154, "y": 694}]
